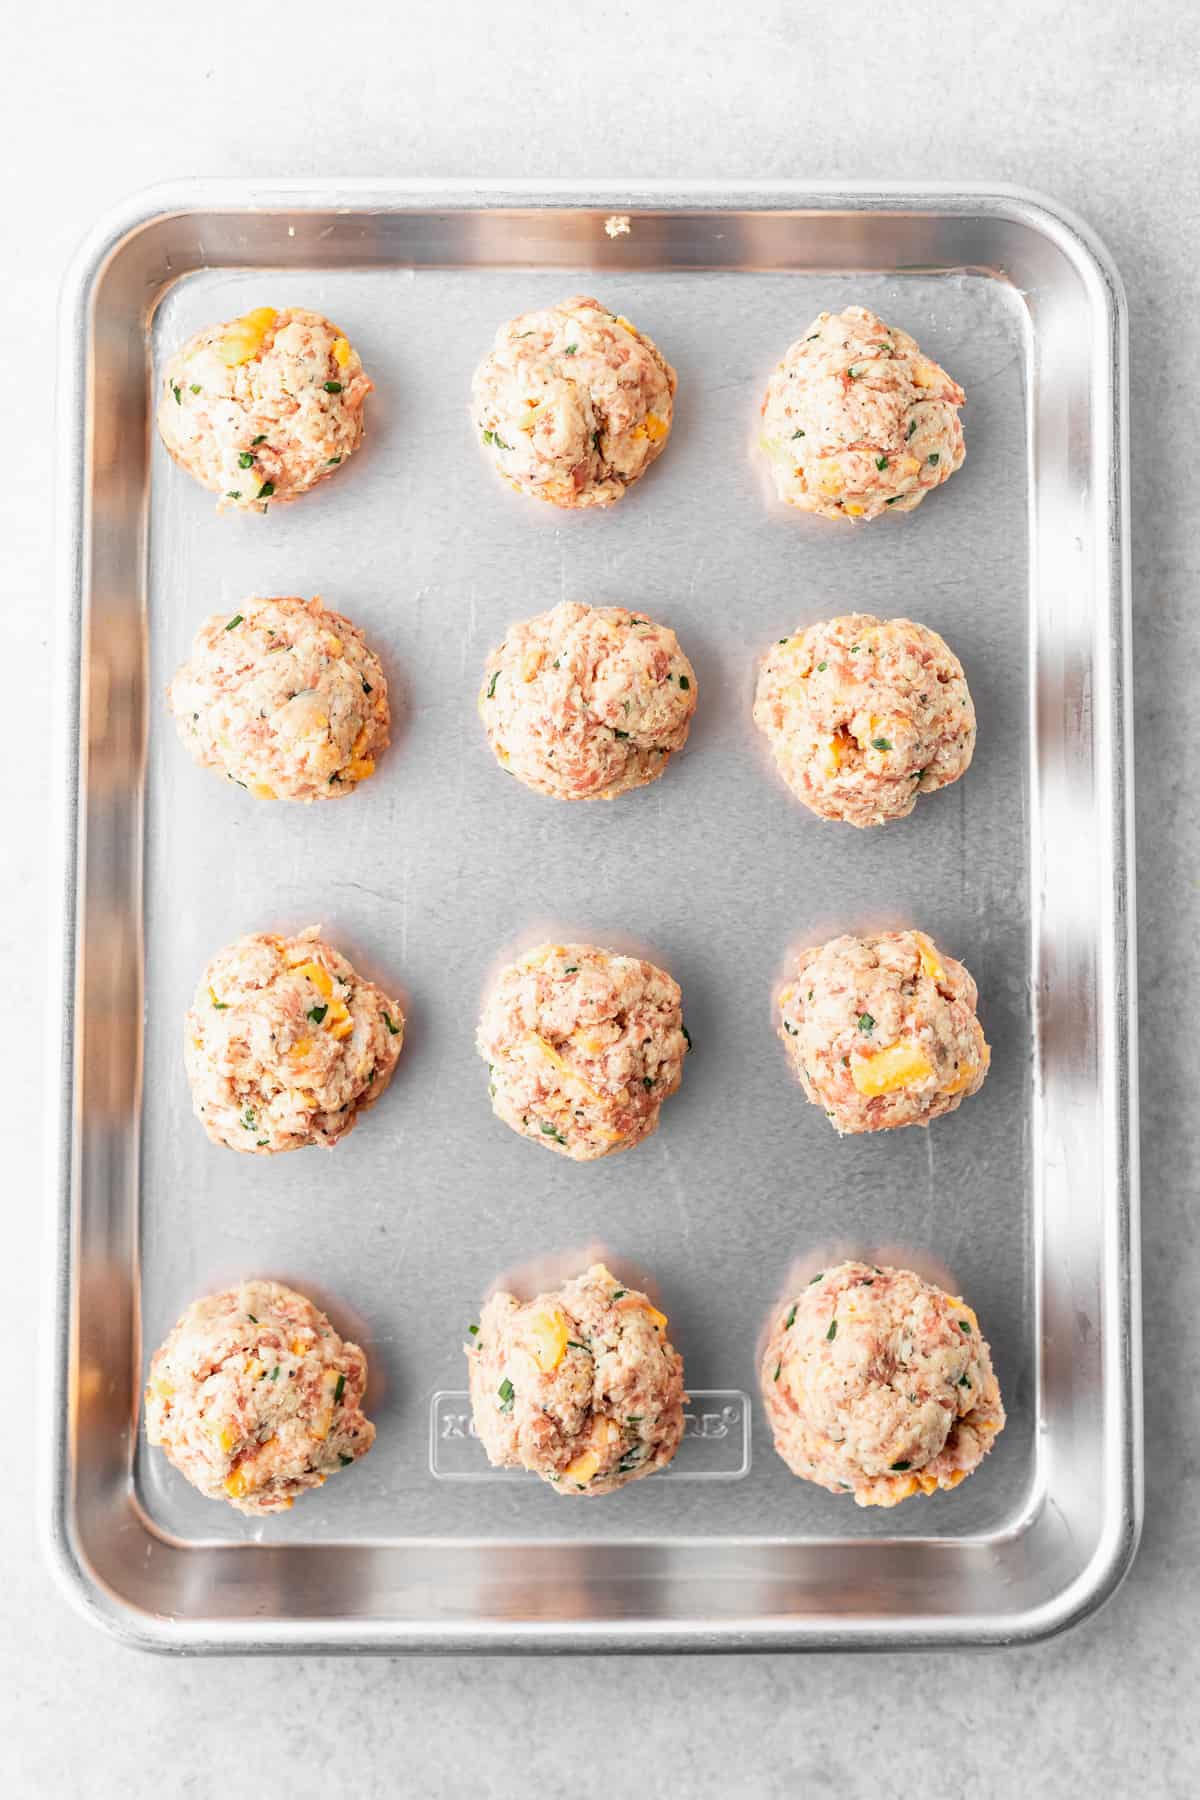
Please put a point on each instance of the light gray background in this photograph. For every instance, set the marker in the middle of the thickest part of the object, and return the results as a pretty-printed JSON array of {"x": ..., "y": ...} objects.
[{"x": 1096, "y": 104}]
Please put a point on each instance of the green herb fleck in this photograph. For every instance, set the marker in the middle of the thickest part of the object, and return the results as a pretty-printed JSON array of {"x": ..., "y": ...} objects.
[
  {"x": 260, "y": 439},
  {"x": 492, "y": 685},
  {"x": 233, "y": 494},
  {"x": 595, "y": 440},
  {"x": 194, "y": 388},
  {"x": 570, "y": 349},
  {"x": 813, "y": 338},
  {"x": 345, "y": 1460},
  {"x": 237, "y": 619},
  {"x": 245, "y": 460},
  {"x": 493, "y": 437},
  {"x": 892, "y": 501},
  {"x": 220, "y": 1005},
  {"x": 935, "y": 456},
  {"x": 548, "y": 1130},
  {"x": 275, "y": 1373},
  {"x": 248, "y": 1120},
  {"x": 317, "y": 1014},
  {"x": 635, "y": 1418},
  {"x": 618, "y": 1293},
  {"x": 366, "y": 686},
  {"x": 821, "y": 668},
  {"x": 813, "y": 1280},
  {"x": 573, "y": 1345},
  {"x": 252, "y": 1318},
  {"x": 832, "y": 1332},
  {"x": 791, "y": 1318},
  {"x": 778, "y": 1367},
  {"x": 178, "y": 397},
  {"x": 865, "y": 1022},
  {"x": 507, "y": 1393},
  {"x": 964, "y": 1381},
  {"x": 571, "y": 969},
  {"x": 393, "y": 1030},
  {"x": 339, "y": 1390},
  {"x": 796, "y": 434},
  {"x": 912, "y": 426},
  {"x": 333, "y": 387},
  {"x": 854, "y": 373},
  {"x": 963, "y": 1326},
  {"x": 333, "y": 462},
  {"x": 474, "y": 1330},
  {"x": 619, "y": 734},
  {"x": 881, "y": 743},
  {"x": 265, "y": 491},
  {"x": 687, "y": 1036},
  {"x": 900, "y": 1466},
  {"x": 881, "y": 462}
]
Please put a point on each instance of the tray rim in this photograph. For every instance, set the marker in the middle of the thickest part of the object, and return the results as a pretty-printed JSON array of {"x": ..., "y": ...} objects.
[{"x": 1117, "y": 1545}]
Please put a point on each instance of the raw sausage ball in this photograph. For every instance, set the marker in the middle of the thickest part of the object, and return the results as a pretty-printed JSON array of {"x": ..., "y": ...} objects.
[
  {"x": 582, "y": 1046},
  {"x": 285, "y": 1045},
  {"x": 581, "y": 1386},
  {"x": 255, "y": 1398},
  {"x": 284, "y": 698},
  {"x": 882, "y": 1030},
  {"x": 880, "y": 1385},
  {"x": 584, "y": 703},
  {"x": 263, "y": 407},
  {"x": 573, "y": 403},
  {"x": 864, "y": 714},
  {"x": 855, "y": 421}
]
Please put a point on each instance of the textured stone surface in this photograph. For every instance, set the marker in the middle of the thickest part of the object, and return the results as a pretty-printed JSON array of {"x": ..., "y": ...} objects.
[{"x": 1095, "y": 104}]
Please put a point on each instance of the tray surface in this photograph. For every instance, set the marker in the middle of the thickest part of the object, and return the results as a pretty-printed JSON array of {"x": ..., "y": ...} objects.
[{"x": 441, "y": 865}]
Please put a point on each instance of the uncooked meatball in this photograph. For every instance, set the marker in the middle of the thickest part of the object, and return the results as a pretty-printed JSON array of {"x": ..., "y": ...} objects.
[
  {"x": 261, "y": 408},
  {"x": 856, "y": 421},
  {"x": 864, "y": 714},
  {"x": 882, "y": 1030},
  {"x": 284, "y": 698},
  {"x": 581, "y": 1386},
  {"x": 879, "y": 1385},
  {"x": 255, "y": 1398},
  {"x": 584, "y": 703},
  {"x": 573, "y": 403},
  {"x": 285, "y": 1045},
  {"x": 582, "y": 1046}
]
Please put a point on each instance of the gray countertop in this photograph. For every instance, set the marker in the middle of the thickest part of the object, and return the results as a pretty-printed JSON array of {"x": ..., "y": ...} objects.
[{"x": 1094, "y": 104}]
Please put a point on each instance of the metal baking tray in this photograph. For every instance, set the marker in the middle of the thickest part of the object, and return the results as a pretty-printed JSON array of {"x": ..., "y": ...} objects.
[{"x": 1025, "y": 1200}]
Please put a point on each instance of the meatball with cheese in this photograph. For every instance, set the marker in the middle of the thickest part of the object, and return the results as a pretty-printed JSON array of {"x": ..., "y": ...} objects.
[
  {"x": 882, "y": 1030},
  {"x": 864, "y": 714},
  {"x": 286, "y": 1045},
  {"x": 879, "y": 1385},
  {"x": 260, "y": 409},
  {"x": 583, "y": 1046},
  {"x": 856, "y": 421},
  {"x": 256, "y": 1399},
  {"x": 581, "y": 1386},
  {"x": 587, "y": 702},
  {"x": 573, "y": 403},
  {"x": 284, "y": 698}
]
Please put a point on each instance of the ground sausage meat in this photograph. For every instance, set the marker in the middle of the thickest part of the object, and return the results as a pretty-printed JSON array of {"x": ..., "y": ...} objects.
[
  {"x": 261, "y": 408},
  {"x": 573, "y": 403},
  {"x": 582, "y": 1386},
  {"x": 583, "y": 1046},
  {"x": 284, "y": 698},
  {"x": 864, "y": 714},
  {"x": 285, "y": 1045},
  {"x": 882, "y": 1030},
  {"x": 586, "y": 702},
  {"x": 255, "y": 1398},
  {"x": 856, "y": 421},
  {"x": 879, "y": 1385}
]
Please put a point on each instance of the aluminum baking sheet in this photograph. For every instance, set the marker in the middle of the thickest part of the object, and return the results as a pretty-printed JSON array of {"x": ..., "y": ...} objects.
[{"x": 1024, "y": 1199}]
